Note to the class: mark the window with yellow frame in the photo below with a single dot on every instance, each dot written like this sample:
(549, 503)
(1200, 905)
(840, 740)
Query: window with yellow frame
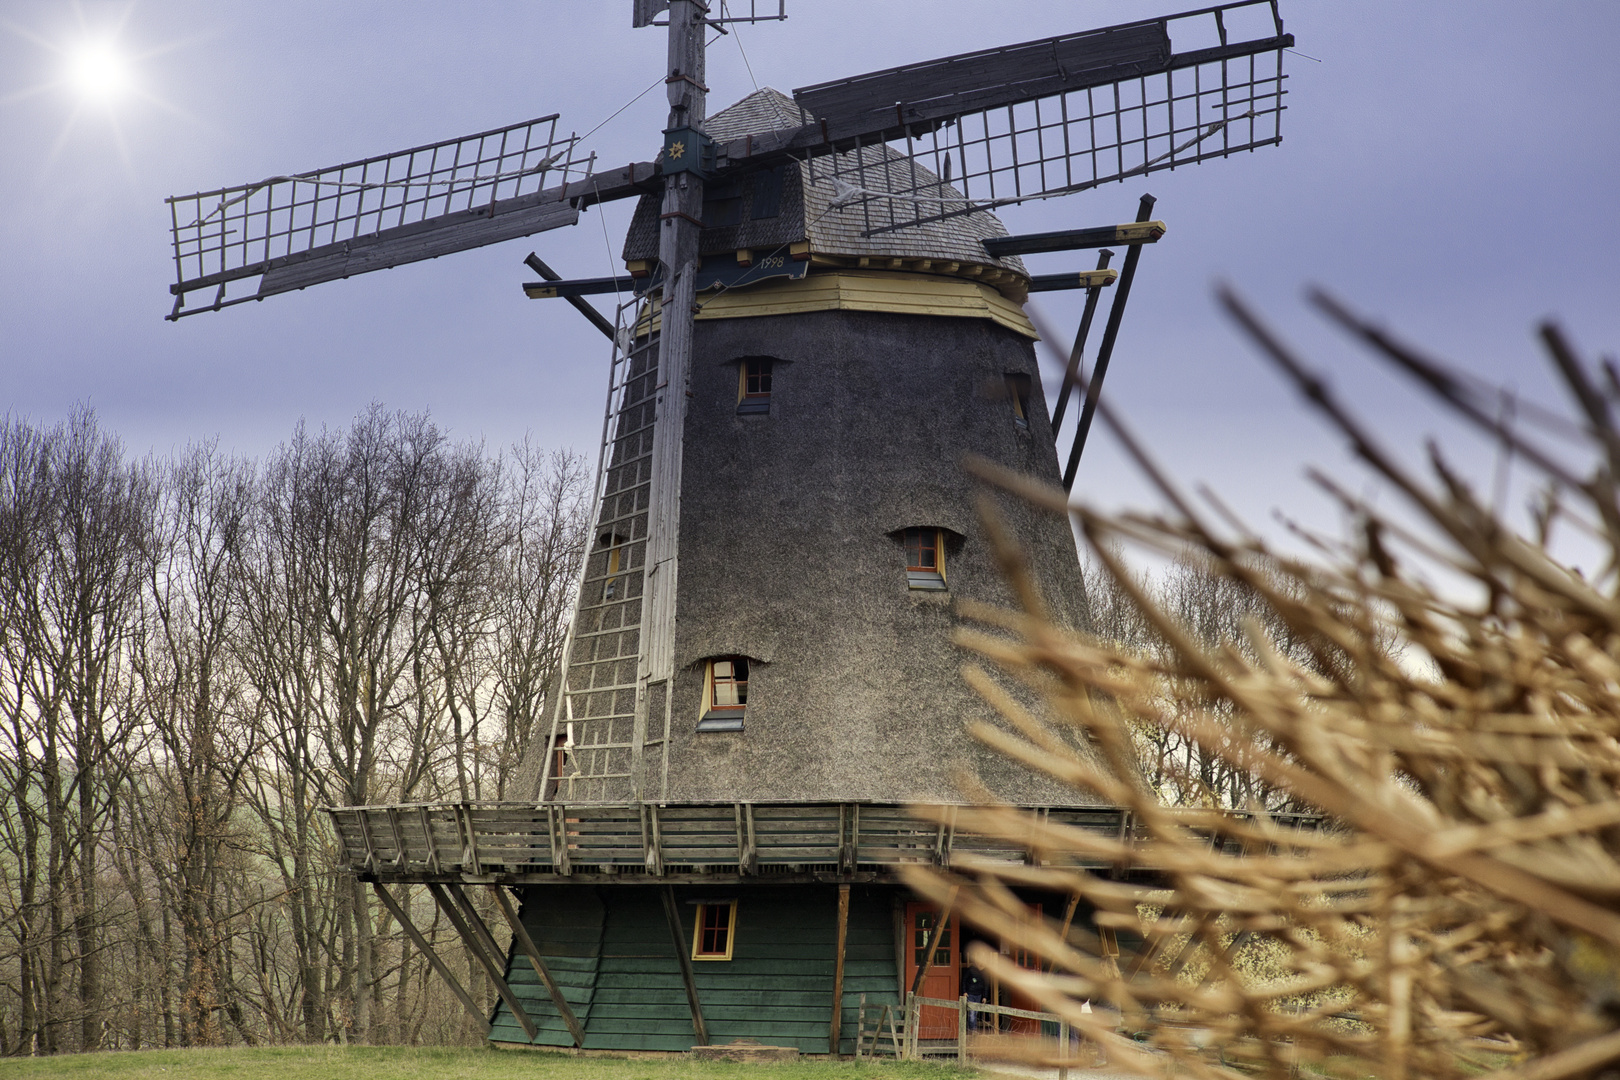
(725, 694)
(925, 558)
(1018, 388)
(613, 585)
(754, 384)
(714, 930)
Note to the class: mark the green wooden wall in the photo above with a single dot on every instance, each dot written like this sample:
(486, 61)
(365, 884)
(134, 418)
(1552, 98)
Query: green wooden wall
(610, 950)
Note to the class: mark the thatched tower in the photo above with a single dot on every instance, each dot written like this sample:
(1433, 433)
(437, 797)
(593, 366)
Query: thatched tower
(830, 409)
(826, 530)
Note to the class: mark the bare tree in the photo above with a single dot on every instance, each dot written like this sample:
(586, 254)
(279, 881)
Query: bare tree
(1218, 612)
(72, 594)
(198, 654)
(547, 529)
(194, 696)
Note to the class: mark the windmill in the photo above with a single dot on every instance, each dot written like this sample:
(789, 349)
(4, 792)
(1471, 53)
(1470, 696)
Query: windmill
(828, 312)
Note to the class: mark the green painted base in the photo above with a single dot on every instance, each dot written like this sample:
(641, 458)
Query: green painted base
(609, 949)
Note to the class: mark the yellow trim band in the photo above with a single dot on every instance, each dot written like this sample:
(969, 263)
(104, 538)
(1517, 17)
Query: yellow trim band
(863, 290)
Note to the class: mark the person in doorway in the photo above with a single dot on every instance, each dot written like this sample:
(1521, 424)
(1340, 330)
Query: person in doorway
(976, 987)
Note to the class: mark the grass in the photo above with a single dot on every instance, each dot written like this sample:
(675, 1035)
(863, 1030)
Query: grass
(439, 1063)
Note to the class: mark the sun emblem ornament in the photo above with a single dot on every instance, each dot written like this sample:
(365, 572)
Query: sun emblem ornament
(687, 150)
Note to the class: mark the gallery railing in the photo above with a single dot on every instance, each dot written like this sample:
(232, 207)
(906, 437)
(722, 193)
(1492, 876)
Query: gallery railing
(497, 841)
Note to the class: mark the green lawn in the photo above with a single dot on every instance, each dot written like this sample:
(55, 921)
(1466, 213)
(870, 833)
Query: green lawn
(417, 1063)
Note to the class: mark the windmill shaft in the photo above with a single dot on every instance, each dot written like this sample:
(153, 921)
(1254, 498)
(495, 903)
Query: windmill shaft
(678, 252)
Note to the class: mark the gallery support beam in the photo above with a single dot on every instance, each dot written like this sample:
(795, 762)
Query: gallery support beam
(834, 1029)
(475, 935)
(933, 943)
(688, 979)
(433, 959)
(520, 934)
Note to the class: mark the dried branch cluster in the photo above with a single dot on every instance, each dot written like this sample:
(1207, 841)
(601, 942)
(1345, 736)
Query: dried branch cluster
(1455, 910)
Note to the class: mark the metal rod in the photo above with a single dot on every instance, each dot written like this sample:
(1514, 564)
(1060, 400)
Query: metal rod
(1105, 352)
(596, 318)
(520, 934)
(699, 1028)
(1072, 372)
(426, 950)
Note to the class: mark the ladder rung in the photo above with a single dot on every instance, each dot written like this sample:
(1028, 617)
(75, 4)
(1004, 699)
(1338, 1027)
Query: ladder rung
(602, 689)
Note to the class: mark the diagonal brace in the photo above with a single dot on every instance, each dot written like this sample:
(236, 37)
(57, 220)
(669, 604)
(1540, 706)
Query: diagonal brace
(482, 946)
(426, 950)
(520, 934)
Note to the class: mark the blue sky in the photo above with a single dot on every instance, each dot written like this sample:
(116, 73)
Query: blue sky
(1449, 167)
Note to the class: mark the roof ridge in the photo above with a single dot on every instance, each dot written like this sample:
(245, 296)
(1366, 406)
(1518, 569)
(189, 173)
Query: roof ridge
(766, 109)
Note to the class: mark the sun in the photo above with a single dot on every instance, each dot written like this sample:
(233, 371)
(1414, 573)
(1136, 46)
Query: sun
(98, 72)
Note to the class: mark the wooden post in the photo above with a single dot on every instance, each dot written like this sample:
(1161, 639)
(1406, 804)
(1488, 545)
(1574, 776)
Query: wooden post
(911, 1025)
(426, 950)
(860, 1028)
(476, 944)
(520, 934)
(835, 1029)
(671, 913)
(961, 1030)
(1068, 920)
(1063, 1050)
(1110, 951)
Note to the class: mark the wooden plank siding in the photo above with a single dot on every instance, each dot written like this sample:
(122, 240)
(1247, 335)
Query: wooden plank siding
(622, 979)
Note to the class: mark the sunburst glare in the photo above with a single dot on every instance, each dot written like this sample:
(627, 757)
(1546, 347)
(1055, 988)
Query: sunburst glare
(99, 72)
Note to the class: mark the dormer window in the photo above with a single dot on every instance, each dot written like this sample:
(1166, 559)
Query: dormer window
(925, 558)
(754, 384)
(616, 564)
(725, 694)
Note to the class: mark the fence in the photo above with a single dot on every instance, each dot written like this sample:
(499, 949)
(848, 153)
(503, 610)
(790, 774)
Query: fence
(878, 1024)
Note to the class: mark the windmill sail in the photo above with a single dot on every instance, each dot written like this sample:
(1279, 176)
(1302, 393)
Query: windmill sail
(1041, 118)
(296, 230)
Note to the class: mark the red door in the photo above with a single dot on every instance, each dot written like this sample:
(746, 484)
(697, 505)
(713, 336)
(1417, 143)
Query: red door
(944, 975)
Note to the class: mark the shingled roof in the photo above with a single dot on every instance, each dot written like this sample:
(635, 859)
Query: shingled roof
(805, 211)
